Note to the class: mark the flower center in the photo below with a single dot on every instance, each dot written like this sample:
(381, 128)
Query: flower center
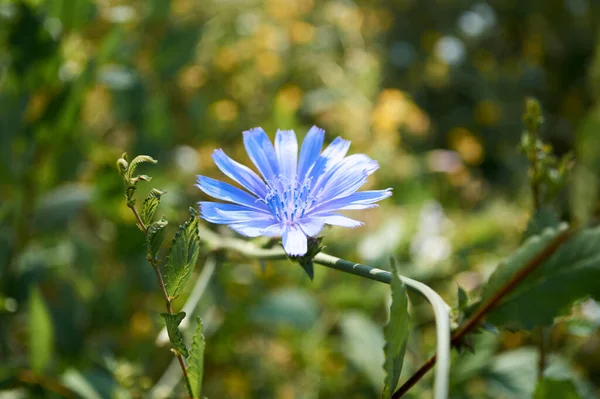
(288, 199)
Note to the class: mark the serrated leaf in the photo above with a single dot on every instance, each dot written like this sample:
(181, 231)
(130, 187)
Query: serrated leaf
(151, 205)
(570, 274)
(172, 322)
(395, 334)
(555, 389)
(183, 256)
(135, 163)
(196, 360)
(155, 237)
(41, 332)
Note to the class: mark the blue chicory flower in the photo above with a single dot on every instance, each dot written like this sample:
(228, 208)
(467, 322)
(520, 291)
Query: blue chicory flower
(297, 195)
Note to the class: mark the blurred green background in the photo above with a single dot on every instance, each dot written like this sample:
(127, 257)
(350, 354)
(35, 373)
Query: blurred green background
(432, 89)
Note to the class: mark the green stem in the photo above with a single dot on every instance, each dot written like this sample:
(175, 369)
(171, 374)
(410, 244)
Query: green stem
(163, 288)
(440, 308)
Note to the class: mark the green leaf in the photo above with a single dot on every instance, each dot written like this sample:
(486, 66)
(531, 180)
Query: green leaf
(463, 299)
(570, 274)
(41, 332)
(155, 237)
(541, 220)
(395, 334)
(196, 360)
(172, 322)
(555, 389)
(509, 267)
(151, 205)
(183, 256)
(134, 164)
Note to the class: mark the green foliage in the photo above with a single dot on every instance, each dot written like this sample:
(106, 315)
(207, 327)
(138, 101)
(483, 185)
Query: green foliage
(555, 389)
(133, 165)
(172, 322)
(542, 219)
(196, 360)
(150, 206)
(509, 267)
(571, 273)
(41, 333)
(548, 172)
(155, 237)
(183, 256)
(395, 333)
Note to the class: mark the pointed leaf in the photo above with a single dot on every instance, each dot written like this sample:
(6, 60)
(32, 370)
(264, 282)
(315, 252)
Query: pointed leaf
(41, 332)
(395, 334)
(135, 163)
(570, 274)
(172, 322)
(183, 256)
(555, 389)
(151, 206)
(155, 237)
(196, 360)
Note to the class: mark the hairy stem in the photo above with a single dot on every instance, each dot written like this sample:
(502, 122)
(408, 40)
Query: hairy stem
(486, 307)
(163, 288)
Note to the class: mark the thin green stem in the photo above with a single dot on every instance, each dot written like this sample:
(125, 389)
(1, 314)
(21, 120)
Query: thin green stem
(163, 288)
(440, 308)
(487, 306)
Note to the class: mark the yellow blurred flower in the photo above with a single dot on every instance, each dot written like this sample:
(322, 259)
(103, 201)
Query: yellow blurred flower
(225, 59)
(302, 32)
(225, 110)
(467, 145)
(192, 77)
(395, 110)
(290, 97)
(268, 64)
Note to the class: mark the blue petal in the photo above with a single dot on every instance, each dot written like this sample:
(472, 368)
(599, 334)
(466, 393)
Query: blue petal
(227, 192)
(217, 212)
(294, 241)
(355, 201)
(240, 173)
(339, 220)
(275, 230)
(261, 152)
(254, 228)
(333, 155)
(311, 147)
(346, 177)
(286, 147)
(311, 226)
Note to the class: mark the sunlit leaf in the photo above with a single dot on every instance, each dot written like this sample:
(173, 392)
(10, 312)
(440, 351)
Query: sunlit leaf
(183, 256)
(41, 332)
(196, 360)
(172, 322)
(395, 334)
(135, 163)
